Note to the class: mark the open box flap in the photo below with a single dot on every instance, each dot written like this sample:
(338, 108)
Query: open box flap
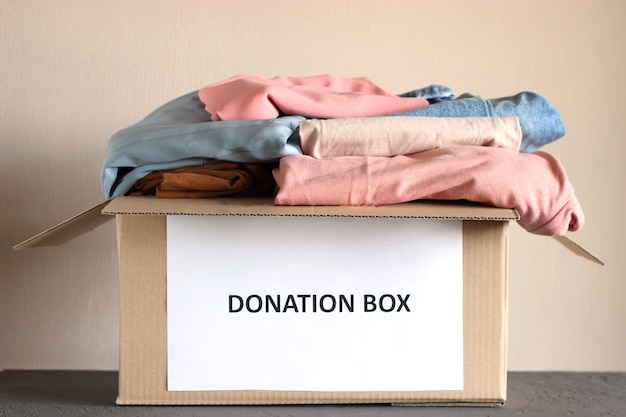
(68, 229)
(577, 249)
(264, 206)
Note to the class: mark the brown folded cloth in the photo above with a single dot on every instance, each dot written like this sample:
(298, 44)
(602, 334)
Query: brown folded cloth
(210, 180)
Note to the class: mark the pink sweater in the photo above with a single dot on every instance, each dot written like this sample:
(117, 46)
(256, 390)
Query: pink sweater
(246, 97)
(536, 185)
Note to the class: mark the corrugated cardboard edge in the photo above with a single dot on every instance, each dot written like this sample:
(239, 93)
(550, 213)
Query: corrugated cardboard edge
(265, 206)
(143, 326)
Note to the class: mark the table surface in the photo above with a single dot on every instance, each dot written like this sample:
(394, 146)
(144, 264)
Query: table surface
(93, 393)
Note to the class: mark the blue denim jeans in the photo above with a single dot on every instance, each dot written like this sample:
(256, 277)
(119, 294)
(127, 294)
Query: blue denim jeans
(433, 93)
(540, 122)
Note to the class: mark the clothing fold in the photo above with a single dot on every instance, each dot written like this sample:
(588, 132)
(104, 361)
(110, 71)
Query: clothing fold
(391, 136)
(540, 121)
(536, 184)
(211, 180)
(324, 96)
(180, 133)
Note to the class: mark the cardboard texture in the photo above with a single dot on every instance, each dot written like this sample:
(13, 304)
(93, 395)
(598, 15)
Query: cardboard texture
(265, 207)
(141, 226)
(143, 326)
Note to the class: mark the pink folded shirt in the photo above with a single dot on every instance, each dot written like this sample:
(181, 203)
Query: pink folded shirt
(400, 135)
(536, 184)
(245, 97)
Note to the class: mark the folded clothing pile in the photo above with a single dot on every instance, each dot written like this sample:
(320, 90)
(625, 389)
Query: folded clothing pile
(328, 140)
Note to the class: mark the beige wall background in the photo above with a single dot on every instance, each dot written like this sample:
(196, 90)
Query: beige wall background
(72, 72)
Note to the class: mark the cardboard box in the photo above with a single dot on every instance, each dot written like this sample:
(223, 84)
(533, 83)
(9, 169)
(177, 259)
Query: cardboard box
(142, 246)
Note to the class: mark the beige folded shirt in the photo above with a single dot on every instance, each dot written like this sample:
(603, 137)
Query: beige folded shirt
(404, 135)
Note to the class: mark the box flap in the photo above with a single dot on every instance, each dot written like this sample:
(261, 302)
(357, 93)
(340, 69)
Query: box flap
(68, 229)
(265, 207)
(577, 249)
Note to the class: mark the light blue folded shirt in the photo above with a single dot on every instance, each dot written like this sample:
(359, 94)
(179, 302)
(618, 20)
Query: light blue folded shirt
(181, 133)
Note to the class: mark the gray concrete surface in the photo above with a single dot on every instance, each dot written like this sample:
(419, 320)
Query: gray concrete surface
(87, 393)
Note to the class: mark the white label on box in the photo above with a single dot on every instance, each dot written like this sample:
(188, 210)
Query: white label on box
(314, 304)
